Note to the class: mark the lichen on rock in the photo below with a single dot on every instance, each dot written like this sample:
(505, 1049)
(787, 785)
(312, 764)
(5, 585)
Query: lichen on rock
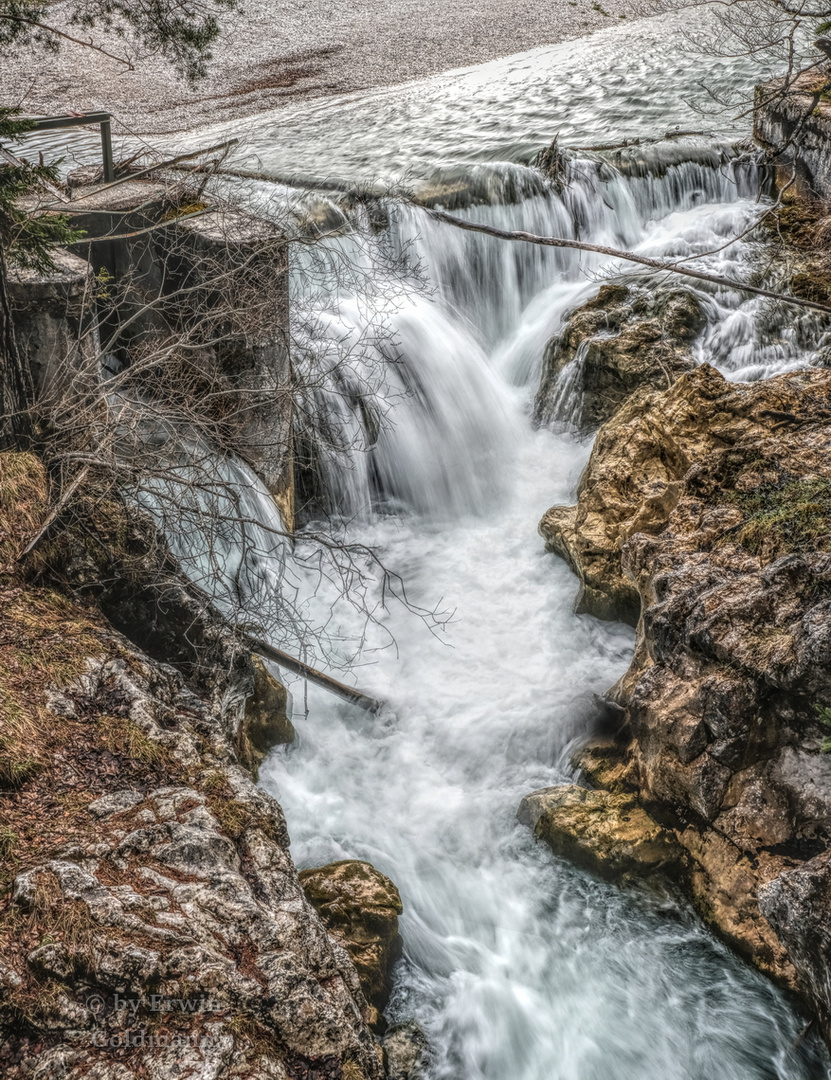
(151, 919)
(608, 834)
(406, 1052)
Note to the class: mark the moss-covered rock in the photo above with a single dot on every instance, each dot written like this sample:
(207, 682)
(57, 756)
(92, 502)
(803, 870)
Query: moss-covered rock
(711, 502)
(635, 475)
(266, 723)
(116, 775)
(359, 907)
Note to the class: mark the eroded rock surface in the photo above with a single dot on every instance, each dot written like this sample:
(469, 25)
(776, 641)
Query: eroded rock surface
(152, 923)
(609, 834)
(183, 902)
(633, 480)
(360, 907)
(265, 723)
(625, 338)
(711, 503)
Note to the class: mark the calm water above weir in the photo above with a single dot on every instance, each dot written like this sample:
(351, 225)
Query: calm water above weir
(518, 966)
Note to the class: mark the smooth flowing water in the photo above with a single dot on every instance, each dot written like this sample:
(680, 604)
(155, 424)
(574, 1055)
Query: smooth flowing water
(518, 966)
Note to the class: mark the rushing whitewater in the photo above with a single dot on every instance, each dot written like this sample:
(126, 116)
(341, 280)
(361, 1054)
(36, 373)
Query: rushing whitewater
(424, 359)
(516, 964)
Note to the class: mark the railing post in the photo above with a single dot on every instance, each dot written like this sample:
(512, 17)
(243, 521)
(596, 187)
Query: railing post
(55, 123)
(107, 151)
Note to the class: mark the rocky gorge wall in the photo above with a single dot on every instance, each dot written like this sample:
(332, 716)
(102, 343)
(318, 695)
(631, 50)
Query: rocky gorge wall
(797, 127)
(704, 517)
(151, 918)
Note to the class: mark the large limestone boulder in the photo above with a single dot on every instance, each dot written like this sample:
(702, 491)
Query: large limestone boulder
(625, 338)
(165, 899)
(359, 907)
(610, 835)
(634, 477)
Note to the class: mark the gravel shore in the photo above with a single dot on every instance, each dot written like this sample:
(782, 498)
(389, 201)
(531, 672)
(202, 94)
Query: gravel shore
(273, 51)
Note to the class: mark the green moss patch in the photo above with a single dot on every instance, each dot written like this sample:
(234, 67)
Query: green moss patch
(793, 515)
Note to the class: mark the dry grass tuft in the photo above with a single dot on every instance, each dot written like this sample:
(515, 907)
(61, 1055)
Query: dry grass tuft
(24, 501)
(54, 918)
(122, 736)
(236, 818)
(44, 641)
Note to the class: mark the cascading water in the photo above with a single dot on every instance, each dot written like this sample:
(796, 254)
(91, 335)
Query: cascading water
(518, 966)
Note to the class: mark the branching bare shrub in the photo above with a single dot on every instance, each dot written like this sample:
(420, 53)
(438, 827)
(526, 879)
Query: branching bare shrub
(193, 394)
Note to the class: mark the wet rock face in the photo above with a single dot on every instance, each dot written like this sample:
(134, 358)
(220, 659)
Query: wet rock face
(797, 905)
(711, 502)
(406, 1053)
(265, 723)
(359, 907)
(625, 338)
(635, 475)
(607, 834)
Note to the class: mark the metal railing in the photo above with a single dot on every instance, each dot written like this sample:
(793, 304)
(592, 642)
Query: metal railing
(55, 123)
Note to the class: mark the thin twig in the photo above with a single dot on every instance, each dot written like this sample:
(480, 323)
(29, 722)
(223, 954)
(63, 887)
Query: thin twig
(66, 495)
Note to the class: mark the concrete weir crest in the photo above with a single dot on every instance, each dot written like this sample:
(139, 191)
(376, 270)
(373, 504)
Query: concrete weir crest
(152, 271)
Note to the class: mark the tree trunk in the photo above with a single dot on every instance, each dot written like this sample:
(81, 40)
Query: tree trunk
(16, 387)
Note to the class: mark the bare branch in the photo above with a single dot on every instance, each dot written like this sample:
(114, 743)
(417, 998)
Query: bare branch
(629, 256)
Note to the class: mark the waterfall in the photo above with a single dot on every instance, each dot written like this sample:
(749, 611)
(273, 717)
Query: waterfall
(516, 964)
(419, 347)
(437, 320)
(567, 401)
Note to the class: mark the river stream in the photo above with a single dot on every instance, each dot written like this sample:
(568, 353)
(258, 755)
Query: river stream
(517, 965)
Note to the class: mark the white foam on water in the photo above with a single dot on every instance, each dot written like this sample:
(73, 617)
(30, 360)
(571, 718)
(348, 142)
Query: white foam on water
(517, 964)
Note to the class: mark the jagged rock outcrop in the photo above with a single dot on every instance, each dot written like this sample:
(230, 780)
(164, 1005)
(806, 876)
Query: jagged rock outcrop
(634, 476)
(625, 338)
(608, 834)
(177, 912)
(359, 907)
(722, 713)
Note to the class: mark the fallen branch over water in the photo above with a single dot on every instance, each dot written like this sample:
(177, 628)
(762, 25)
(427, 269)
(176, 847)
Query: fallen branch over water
(348, 693)
(629, 256)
